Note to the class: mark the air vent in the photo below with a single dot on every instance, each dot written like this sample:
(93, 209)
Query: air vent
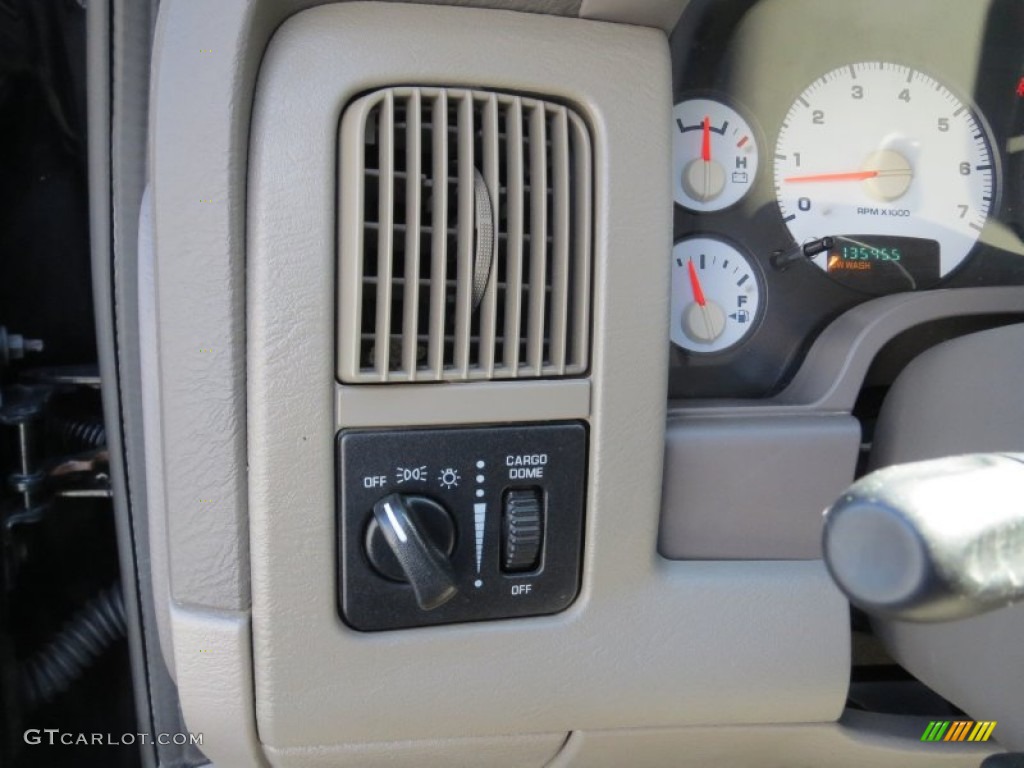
(464, 237)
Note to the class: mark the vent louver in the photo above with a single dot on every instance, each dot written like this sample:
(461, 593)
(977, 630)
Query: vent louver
(464, 237)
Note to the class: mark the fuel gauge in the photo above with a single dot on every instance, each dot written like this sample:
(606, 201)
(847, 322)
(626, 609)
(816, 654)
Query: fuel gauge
(714, 155)
(716, 295)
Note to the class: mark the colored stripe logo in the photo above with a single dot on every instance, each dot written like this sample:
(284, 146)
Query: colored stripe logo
(958, 730)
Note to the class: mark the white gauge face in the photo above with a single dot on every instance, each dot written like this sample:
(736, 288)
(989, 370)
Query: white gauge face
(715, 295)
(714, 155)
(881, 150)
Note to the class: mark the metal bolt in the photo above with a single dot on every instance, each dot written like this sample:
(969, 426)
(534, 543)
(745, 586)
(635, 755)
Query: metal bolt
(13, 346)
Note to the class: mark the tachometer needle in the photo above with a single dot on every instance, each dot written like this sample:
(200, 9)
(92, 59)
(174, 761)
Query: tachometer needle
(850, 176)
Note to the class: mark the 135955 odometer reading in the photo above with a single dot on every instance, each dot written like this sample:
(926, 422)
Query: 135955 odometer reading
(881, 149)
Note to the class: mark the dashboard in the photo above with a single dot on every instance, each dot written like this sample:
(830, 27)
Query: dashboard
(824, 155)
(415, 492)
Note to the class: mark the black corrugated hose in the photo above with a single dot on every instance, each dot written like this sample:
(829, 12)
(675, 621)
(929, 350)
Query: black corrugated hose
(90, 632)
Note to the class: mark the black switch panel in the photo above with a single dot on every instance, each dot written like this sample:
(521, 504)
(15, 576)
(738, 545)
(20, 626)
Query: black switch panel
(395, 489)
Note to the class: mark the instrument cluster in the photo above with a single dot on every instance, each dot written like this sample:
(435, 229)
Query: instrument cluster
(855, 158)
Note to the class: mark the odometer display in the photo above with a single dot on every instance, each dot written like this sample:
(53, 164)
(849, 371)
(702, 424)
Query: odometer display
(877, 265)
(886, 151)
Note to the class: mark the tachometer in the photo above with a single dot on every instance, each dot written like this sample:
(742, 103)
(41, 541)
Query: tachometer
(879, 150)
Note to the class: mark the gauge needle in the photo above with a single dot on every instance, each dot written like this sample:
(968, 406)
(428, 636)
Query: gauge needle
(851, 176)
(698, 292)
(698, 296)
(705, 155)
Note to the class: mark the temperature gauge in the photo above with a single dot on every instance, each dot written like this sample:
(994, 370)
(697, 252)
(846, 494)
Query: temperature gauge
(716, 295)
(714, 155)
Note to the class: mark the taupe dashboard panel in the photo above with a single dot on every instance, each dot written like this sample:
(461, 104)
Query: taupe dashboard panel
(730, 493)
(648, 642)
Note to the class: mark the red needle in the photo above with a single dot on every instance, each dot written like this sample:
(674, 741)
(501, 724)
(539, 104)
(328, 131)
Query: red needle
(705, 147)
(698, 292)
(852, 176)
